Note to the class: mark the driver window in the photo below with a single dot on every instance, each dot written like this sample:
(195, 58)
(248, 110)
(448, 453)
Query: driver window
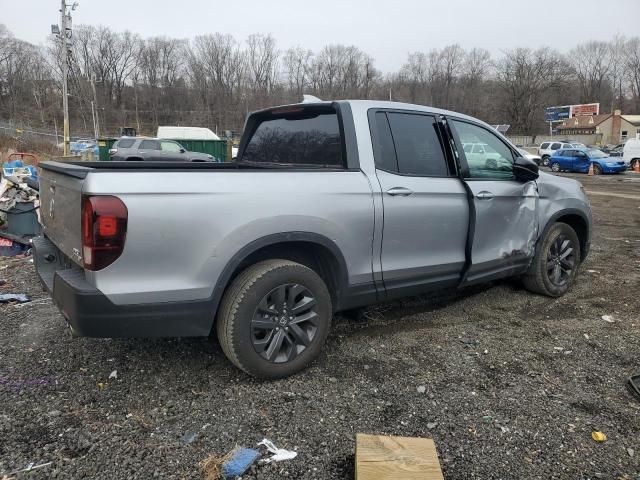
(491, 157)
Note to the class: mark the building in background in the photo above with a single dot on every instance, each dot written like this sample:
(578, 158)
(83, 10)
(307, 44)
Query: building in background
(606, 129)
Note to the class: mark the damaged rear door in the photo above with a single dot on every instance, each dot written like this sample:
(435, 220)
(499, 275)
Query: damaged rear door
(505, 222)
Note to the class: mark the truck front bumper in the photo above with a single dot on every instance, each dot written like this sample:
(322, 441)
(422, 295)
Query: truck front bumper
(90, 313)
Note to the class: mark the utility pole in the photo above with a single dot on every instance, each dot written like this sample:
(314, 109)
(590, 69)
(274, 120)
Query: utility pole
(64, 33)
(96, 126)
(65, 74)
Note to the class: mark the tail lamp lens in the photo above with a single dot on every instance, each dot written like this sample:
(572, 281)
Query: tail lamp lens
(104, 229)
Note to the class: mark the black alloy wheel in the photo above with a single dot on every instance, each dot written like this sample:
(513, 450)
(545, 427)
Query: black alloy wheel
(561, 261)
(285, 323)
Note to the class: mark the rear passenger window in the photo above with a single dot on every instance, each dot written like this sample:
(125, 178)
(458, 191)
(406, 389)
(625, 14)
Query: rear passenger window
(555, 146)
(544, 145)
(566, 145)
(149, 145)
(384, 151)
(417, 145)
(125, 143)
(306, 138)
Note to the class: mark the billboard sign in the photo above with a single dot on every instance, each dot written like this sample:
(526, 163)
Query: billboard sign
(557, 114)
(585, 109)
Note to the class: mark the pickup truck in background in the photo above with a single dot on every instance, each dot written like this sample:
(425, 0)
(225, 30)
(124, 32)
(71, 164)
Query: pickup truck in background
(330, 206)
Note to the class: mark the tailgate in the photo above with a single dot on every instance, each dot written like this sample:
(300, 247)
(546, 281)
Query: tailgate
(60, 209)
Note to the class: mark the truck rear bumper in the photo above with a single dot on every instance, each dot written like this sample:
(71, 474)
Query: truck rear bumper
(90, 313)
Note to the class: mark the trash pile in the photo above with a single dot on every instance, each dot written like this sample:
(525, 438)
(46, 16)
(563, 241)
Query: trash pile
(19, 212)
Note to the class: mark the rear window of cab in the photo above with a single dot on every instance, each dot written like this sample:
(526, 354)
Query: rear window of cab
(297, 136)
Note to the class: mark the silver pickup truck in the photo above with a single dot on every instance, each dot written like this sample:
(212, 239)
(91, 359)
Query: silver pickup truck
(330, 206)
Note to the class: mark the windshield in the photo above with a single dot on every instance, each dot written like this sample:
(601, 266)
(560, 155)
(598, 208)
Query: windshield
(523, 152)
(595, 153)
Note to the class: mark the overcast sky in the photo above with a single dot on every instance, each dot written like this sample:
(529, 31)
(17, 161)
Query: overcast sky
(387, 30)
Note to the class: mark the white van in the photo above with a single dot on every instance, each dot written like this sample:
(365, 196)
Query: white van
(631, 152)
(186, 133)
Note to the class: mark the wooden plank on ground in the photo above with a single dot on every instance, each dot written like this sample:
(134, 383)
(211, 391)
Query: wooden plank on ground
(380, 457)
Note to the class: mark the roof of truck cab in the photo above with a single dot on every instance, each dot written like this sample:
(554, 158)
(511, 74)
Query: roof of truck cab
(369, 104)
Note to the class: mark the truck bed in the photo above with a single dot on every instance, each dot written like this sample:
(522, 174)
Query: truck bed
(81, 169)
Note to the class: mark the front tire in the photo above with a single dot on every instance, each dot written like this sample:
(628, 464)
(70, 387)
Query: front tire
(597, 169)
(274, 318)
(555, 167)
(555, 264)
(545, 160)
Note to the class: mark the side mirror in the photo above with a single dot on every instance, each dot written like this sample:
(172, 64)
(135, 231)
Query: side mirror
(524, 169)
(182, 150)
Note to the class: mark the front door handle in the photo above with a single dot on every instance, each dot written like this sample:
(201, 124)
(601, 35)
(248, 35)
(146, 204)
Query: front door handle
(399, 191)
(485, 195)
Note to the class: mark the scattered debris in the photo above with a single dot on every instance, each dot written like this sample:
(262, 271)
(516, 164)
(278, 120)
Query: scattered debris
(14, 297)
(232, 465)
(421, 389)
(188, 438)
(113, 374)
(593, 271)
(2, 282)
(599, 437)
(586, 336)
(608, 318)
(634, 384)
(487, 418)
(631, 451)
(279, 454)
(30, 467)
(432, 425)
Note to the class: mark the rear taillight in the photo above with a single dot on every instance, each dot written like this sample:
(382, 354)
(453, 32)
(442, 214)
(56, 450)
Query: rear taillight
(104, 229)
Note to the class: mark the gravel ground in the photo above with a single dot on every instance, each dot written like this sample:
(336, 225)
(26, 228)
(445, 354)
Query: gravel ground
(514, 384)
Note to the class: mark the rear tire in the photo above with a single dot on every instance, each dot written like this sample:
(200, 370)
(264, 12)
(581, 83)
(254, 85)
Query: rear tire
(545, 160)
(555, 167)
(633, 163)
(555, 264)
(274, 318)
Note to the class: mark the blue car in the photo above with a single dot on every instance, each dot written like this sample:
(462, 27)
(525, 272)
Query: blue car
(579, 160)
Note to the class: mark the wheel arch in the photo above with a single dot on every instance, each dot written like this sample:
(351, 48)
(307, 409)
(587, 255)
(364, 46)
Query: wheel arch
(313, 250)
(577, 220)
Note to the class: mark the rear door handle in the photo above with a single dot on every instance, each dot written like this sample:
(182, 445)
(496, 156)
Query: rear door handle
(399, 192)
(485, 195)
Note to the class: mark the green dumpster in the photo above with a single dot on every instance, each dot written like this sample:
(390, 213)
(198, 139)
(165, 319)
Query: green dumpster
(104, 144)
(216, 148)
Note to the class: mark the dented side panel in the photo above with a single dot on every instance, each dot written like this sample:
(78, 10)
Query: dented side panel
(506, 226)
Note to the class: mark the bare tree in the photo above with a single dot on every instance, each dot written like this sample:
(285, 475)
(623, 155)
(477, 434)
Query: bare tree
(297, 69)
(452, 58)
(526, 77)
(592, 64)
(633, 69)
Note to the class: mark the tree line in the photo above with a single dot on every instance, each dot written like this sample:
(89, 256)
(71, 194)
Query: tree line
(213, 80)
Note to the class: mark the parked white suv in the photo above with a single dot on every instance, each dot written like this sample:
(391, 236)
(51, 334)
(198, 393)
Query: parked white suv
(547, 149)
